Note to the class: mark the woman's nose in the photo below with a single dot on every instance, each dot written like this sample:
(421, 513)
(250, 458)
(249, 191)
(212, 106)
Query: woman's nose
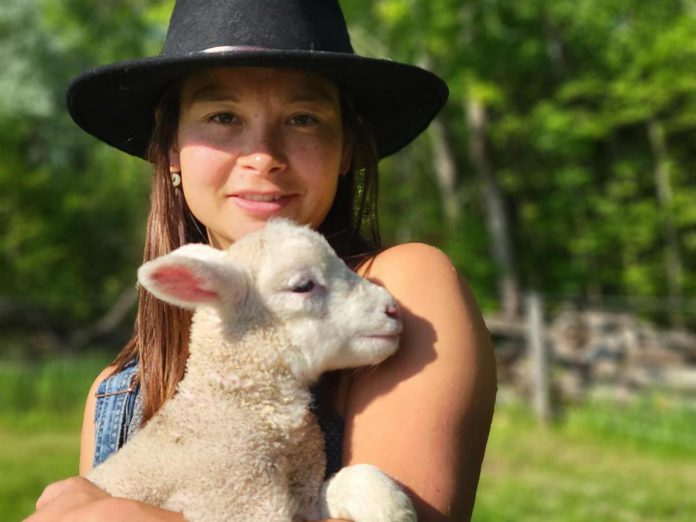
(263, 154)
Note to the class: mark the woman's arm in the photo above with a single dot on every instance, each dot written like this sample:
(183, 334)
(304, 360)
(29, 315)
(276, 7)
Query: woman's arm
(87, 437)
(423, 416)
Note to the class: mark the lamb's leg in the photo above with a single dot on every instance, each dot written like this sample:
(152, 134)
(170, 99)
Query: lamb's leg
(363, 493)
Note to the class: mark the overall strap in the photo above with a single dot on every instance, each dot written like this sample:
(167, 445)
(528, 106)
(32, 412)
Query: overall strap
(113, 411)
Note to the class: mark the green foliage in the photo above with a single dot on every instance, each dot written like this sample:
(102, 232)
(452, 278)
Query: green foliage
(570, 89)
(58, 386)
(72, 211)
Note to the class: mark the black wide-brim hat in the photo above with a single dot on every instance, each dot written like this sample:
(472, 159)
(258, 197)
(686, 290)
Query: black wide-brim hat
(116, 103)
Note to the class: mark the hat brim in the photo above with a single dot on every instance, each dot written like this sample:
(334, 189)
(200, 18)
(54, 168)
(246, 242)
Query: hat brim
(115, 103)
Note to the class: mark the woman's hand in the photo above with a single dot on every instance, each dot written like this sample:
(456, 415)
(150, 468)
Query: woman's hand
(78, 500)
(73, 496)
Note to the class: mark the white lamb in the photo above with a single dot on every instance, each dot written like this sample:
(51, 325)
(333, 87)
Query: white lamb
(237, 442)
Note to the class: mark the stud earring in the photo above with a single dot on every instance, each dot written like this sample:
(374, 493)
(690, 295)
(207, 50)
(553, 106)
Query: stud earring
(176, 178)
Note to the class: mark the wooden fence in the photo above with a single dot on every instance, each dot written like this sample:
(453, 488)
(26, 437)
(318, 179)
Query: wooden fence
(555, 355)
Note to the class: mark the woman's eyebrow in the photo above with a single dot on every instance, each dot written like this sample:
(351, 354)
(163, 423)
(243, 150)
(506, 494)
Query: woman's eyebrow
(313, 95)
(213, 93)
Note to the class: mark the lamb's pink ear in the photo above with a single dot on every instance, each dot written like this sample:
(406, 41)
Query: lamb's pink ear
(193, 275)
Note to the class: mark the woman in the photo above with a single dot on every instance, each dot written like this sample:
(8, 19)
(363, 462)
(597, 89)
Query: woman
(260, 108)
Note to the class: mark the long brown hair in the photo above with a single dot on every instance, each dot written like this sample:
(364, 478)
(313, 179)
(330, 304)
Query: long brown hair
(160, 336)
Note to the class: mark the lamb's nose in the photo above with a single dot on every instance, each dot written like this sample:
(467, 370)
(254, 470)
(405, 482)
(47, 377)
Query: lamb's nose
(392, 311)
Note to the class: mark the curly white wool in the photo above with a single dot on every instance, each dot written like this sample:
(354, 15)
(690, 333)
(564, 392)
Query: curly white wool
(237, 442)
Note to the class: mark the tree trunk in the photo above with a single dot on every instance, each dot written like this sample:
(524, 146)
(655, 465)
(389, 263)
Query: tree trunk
(444, 164)
(445, 172)
(107, 323)
(496, 215)
(663, 189)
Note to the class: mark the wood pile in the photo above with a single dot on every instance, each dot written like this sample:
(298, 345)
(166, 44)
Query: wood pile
(593, 350)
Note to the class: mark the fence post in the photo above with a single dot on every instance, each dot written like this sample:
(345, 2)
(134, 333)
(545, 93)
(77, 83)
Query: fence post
(539, 358)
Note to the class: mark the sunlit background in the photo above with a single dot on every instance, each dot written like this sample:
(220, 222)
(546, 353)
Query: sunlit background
(560, 178)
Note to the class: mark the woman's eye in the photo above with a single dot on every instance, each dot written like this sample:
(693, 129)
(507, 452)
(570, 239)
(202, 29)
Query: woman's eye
(224, 118)
(304, 287)
(303, 119)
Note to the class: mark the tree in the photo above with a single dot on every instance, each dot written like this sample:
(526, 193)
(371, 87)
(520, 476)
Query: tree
(71, 210)
(578, 119)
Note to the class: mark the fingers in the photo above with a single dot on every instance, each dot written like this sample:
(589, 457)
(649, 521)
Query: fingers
(51, 491)
(57, 509)
(65, 496)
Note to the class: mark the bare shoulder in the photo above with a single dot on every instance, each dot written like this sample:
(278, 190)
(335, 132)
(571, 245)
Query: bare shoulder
(87, 438)
(407, 254)
(400, 263)
(423, 278)
(441, 384)
(441, 317)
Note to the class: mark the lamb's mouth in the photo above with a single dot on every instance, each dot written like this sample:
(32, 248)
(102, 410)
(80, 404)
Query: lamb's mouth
(381, 339)
(386, 337)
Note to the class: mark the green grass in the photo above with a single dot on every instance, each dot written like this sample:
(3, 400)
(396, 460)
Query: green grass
(41, 410)
(656, 422)
(57, 385)
(589, 468)
(30, 460)
(603, 463)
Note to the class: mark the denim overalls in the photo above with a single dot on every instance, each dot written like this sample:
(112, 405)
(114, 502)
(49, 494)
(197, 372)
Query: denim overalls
(118, 414)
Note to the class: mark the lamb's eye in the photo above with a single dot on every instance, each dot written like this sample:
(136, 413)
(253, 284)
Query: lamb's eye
(304, 287)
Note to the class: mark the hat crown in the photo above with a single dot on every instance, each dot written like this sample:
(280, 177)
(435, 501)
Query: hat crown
(309, 25)
(117, 102)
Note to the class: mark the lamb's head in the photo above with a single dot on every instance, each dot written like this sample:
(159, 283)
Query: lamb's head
(289, 275)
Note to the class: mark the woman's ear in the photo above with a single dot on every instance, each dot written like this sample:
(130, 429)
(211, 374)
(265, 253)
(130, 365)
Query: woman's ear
(174, 159)
(346, 153)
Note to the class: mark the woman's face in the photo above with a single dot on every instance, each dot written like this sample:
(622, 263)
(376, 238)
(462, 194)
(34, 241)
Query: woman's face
(255, 143)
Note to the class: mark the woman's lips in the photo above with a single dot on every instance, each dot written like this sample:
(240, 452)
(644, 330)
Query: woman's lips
(261, 204)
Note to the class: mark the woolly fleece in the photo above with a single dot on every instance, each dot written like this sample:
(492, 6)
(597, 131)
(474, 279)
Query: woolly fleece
(237, 442)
